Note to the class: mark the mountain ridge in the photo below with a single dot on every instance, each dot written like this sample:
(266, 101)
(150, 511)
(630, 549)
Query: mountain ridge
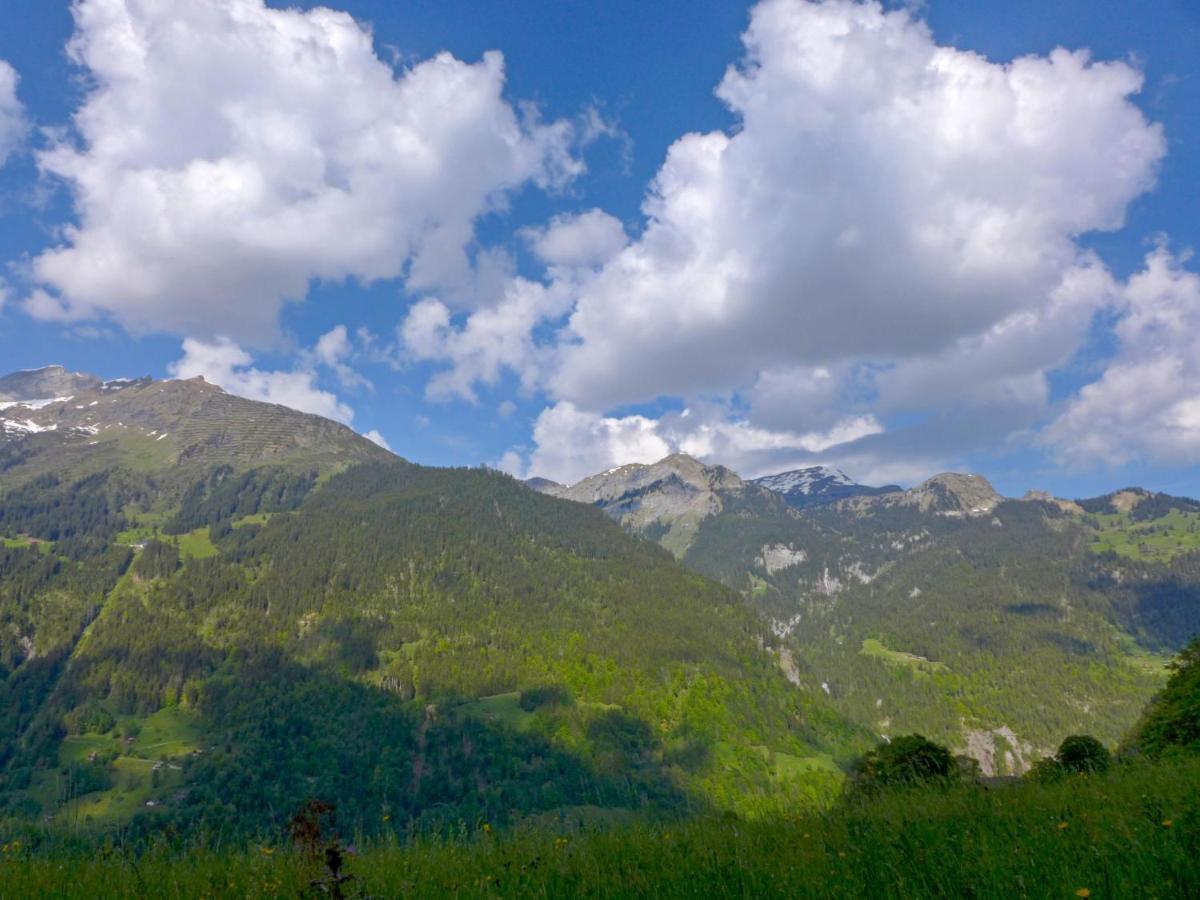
(816, 485)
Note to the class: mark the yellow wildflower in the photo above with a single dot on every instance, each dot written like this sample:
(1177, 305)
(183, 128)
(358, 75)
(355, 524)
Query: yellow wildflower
(1062, 826)
(1083, 892)
(1167, 823)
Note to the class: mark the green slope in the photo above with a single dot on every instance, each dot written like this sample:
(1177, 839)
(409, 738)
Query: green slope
(415, 645)
(998, 627)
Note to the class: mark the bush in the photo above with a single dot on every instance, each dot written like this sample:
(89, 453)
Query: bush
(549, 695)
(909, 760)
(1046, 771)
(1083, 753)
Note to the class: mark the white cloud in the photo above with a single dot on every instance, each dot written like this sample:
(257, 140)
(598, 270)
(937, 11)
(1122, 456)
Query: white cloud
(374, 436)
(332, 350)
(13, 125)
(883, 199)
(889, 232)
(572, 443)
(490, 340)
(225, 364)
(229, 153)
(1146, 405)
(587, 239)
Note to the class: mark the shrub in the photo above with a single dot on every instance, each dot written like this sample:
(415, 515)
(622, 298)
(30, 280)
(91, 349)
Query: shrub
(908, 760)
(1083, 753)
(1046, 771)
(548, 695)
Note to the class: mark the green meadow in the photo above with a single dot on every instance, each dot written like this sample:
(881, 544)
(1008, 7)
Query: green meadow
(1132, 832)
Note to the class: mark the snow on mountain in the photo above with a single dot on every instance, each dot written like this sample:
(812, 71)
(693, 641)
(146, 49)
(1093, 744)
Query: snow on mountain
(805, 481)
(816, 485)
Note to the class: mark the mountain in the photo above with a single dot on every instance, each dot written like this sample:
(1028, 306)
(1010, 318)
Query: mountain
(545, 485)
(213, 610)
(946, 608)
(38, 385)
(166, 426)
(817, 485)
(666, 501)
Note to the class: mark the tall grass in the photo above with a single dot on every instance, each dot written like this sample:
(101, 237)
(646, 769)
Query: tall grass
(1134, 832)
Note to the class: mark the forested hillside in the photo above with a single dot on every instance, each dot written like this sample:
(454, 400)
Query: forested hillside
(417, 646)
(997, 626)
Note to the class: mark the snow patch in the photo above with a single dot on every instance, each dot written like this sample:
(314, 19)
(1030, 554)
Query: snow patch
(805, 481)
(34, 404)
(16, 426)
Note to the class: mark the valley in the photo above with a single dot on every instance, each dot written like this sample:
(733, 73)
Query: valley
(213, 610)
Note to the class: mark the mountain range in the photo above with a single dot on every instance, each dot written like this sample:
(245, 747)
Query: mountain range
(214, 609)
(946, 608)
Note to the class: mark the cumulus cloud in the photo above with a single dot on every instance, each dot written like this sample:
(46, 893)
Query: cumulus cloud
(229, 153)
(572, 443)
(882, 199)
(13, 126)
(487, 343)
(333, 350)
(586, 239)
(225, 364)
(889, 233)
(1146, 405)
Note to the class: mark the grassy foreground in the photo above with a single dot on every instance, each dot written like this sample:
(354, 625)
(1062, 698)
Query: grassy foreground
(1134, 832)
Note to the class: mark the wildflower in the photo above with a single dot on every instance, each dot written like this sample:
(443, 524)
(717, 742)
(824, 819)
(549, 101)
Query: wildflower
(387, 817)
(267, 851)
(1083, 892)
(1167, 823)
(1063, 826)
(487, 828)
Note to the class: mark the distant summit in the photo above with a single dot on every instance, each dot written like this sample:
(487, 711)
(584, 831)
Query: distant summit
(818, 485)
(542, 485)
(85, 423)
(950, 494)
(47, 383)
(665, 501)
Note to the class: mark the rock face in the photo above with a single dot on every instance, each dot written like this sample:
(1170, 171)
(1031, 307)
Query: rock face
(1067, 506)
(950, 494)
(818, 485)
(666, 500)
(45, 384)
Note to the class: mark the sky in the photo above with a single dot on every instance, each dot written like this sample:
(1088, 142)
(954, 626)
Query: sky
(556, 237)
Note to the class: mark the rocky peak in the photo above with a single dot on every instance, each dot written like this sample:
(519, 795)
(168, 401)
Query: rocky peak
(1067, 506)
(818, 485)
(46, 383)
(543, 485)
(669, 498)
(953, 493)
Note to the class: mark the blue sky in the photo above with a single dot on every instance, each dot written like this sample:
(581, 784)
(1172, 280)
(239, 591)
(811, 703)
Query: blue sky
(899, 240)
